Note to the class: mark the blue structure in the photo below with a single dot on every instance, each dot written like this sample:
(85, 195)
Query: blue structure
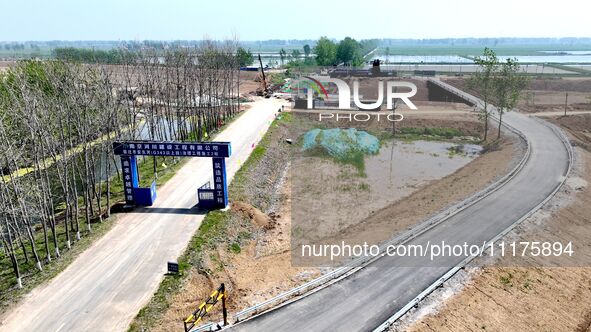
(209, 198)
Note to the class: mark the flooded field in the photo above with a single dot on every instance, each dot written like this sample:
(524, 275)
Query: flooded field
(329, 196)
(401, 167)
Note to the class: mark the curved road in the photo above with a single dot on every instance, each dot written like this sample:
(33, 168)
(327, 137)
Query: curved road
(366, 299)
(105, 287)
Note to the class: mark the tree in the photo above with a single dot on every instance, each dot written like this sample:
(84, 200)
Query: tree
(326, 52)
(245, 58)
(282, 55)
(349, 51)
(307, 50)
(295, 54)
(482, 82)
(508, 85)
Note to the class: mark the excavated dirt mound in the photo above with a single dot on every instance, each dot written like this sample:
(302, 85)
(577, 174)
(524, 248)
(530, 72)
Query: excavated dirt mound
(255, 215)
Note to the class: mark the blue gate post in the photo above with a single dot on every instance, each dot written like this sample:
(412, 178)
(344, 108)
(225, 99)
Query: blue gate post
(130, 178)
(220, 184)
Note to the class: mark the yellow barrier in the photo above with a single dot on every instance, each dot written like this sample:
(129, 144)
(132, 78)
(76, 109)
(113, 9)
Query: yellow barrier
(205, 307)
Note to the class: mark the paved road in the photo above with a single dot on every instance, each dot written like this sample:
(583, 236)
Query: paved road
(369, 297)
(105, 287)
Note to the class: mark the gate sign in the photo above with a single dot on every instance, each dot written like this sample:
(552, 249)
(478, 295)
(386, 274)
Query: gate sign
(178, 149)
(134, 195)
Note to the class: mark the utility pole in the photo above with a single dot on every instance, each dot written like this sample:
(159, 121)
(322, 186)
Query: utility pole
(565, 103)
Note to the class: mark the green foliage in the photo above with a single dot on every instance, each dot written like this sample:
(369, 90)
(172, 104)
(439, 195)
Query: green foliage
(304, 63)
(354, 158)
(482, 80)
(307, 50)
(277, 78)
(326, 52)
(245, 58)
(235, 247)
(508, 85)
(349, 52)
(368, 45)
(447, 133)
(506, 279)
(498, 82)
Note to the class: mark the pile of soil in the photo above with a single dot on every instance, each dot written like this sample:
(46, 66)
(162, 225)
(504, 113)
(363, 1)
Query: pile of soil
(255, 215)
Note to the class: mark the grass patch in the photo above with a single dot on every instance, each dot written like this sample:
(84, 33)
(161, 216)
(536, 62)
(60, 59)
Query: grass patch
(456, 150)
(354, 158)
(410, 134)
(235, 248)
(506, 279)
(241, 178)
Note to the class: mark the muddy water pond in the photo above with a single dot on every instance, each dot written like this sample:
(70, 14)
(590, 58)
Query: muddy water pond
(399, 168)
(328, 196)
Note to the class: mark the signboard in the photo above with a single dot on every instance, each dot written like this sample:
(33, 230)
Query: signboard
(130, 178)
(178, 149)
(173, 267)
(212, 198)
(220, 193)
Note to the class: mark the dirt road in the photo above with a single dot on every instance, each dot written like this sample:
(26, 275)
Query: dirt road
(105, 287)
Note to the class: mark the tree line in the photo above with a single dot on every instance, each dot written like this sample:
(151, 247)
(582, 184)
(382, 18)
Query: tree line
(348, 52)
(58, 119)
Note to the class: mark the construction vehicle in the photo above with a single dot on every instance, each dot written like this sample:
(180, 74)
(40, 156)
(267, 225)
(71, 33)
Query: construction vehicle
(264, 90)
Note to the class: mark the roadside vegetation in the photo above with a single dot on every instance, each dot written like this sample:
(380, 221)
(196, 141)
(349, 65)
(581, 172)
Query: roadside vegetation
(222, 230)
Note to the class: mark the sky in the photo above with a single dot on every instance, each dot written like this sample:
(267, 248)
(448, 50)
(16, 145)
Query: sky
(22, 20)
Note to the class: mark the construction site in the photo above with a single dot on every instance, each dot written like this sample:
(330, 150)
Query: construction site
(282, 183)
